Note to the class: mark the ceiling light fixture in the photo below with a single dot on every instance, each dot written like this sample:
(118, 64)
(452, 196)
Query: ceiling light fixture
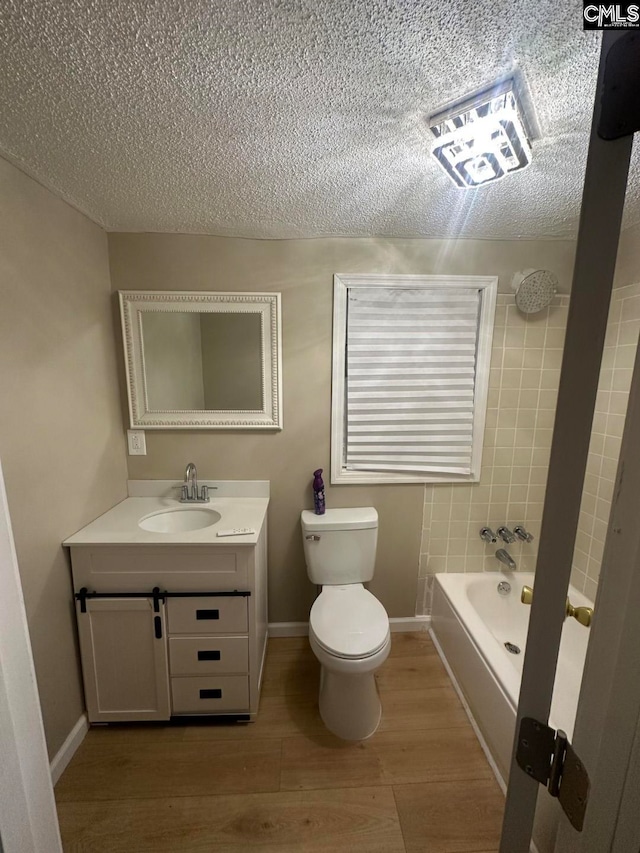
(484, 137)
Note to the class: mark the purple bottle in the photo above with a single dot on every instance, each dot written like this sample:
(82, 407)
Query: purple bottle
(318, 493)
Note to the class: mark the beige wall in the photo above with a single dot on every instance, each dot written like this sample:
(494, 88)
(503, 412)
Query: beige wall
(621, 341)
(302, 270)
(61, 438)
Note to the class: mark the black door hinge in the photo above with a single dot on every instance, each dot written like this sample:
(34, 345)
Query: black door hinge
(548, 757)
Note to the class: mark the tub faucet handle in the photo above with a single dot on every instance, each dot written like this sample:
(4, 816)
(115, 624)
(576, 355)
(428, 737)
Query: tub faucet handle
(506, 535)
(522, 534)
(487, 534)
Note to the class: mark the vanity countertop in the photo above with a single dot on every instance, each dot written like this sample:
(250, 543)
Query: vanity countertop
(119, 525)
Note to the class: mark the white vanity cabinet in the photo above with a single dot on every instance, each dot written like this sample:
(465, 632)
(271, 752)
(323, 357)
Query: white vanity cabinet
(195, 646)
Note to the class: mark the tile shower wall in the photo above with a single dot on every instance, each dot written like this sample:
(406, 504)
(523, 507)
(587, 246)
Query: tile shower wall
(523, 387)
(611, 405)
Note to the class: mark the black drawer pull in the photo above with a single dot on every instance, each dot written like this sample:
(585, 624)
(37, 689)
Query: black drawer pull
(157, 624)
(215, 655)
(211, 694)
(207, 614)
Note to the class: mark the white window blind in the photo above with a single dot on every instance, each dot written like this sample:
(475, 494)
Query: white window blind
(410, 379)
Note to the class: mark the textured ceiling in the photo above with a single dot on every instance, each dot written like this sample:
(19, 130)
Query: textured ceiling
(291, 118)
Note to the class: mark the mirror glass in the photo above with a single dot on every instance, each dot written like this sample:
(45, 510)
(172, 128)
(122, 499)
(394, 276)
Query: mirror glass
(202, 360)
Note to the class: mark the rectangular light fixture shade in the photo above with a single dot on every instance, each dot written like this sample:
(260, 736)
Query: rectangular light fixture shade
(484, 138)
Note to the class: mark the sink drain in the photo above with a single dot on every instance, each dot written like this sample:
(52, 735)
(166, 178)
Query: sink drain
(512, 648)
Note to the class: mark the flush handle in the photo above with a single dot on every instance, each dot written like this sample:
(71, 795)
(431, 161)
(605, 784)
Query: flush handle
(312, 538)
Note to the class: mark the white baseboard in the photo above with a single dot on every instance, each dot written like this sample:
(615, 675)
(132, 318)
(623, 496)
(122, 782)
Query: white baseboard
(66, 752)
(301, 629)
(409, 623)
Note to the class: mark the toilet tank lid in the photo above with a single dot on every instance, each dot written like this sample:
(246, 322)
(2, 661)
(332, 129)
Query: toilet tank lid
(348, 518)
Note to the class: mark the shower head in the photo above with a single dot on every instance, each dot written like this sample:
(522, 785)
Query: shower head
(534, 290)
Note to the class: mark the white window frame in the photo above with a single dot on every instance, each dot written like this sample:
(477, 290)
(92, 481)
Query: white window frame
(342, 283)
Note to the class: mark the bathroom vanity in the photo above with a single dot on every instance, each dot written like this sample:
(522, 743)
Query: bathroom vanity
(172, 618)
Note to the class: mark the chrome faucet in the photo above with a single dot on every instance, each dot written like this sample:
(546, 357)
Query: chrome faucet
(506, 535)
(522, 534)
(507, 559)
(191, 481)
(487, 534)
(189, 489)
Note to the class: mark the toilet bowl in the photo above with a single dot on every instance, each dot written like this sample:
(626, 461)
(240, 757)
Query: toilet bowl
(348, 626)
(349, 634)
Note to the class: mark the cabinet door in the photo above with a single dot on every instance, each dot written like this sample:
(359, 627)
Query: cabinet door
(124, 659)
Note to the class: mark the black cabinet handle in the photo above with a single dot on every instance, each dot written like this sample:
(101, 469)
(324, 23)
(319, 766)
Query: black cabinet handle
(157, 624)
(211, 694)
(209, 655)
(207, 614)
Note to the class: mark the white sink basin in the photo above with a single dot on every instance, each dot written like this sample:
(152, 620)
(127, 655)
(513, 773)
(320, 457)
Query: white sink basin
(179, 520)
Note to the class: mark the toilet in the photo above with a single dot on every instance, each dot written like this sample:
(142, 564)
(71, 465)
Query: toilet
(348, 626)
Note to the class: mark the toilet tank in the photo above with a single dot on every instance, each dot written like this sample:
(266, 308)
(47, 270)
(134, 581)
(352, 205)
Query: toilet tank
(340, 546)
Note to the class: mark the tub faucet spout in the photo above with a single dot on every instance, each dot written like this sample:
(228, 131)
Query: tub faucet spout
(506, 558)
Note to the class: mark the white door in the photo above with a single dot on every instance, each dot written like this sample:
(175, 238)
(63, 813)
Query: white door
(123, 647)
(28, 821)
(607, 732)
(607, 723)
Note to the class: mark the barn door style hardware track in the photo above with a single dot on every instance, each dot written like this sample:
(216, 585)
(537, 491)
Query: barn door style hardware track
(157, 595)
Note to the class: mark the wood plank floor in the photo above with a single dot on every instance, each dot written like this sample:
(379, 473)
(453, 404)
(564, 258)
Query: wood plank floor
(283, 784)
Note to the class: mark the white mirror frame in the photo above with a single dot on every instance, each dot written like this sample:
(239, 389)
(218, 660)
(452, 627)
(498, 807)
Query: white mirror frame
(133, 304)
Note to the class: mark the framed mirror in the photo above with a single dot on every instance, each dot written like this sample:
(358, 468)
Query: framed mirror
(202, 360)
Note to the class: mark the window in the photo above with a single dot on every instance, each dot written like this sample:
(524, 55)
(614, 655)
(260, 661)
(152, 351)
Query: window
(410, 377)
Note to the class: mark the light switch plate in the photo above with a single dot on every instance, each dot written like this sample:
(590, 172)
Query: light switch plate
(137, 443)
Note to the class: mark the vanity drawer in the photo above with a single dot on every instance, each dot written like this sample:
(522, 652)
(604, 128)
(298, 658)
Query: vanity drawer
(208, 655)
(225, 693)
(208, 615)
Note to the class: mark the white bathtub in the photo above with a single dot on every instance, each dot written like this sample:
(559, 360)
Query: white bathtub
(470, 624)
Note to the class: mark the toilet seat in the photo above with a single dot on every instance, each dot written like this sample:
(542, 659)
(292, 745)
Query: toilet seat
(349, 622)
